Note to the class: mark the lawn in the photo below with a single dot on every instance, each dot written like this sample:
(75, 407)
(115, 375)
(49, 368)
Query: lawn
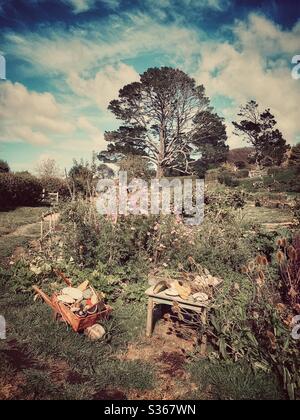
(266, 215)
(11, 220)
(17, 227)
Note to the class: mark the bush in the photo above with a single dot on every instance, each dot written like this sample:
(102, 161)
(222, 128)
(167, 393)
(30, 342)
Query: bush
(19, 190)
(228, 179)
(284, 179)
(242, 173)
(54, 185)
(4, 167)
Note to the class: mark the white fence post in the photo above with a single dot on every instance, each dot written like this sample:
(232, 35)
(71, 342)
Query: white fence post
(2, 328)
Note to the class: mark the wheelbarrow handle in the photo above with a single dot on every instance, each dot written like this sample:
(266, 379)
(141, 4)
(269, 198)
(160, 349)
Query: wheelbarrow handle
(65, 278)
(43, 295)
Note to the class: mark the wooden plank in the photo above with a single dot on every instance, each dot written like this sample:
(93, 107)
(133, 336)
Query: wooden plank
(163, 296)
(194, 308)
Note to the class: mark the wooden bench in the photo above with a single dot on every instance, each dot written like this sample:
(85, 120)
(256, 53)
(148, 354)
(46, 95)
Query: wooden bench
(162, 298)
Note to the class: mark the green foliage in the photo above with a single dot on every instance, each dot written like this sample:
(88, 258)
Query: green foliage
(296, 210)
(19, 190)
(258, 128)
(136, 167)
(24, 274)
(242, 173)
(4, 167)
(277, 180)
(284, 179)
(228, 179)
(146, 123)
(294, 158)
(54, 185)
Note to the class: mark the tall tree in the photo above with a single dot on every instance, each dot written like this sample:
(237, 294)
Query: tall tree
(258, 128)
(294, 158)
(48, 168)
(163, 117)
(209, 141)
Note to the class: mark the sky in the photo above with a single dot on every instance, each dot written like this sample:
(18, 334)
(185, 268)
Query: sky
(67, 59)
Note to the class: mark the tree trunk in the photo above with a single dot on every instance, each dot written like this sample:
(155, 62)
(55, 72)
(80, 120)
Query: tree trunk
(160, 169)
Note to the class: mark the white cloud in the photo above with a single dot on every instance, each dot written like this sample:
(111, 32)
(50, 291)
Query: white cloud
(95, 45)
(29, 116)
(96, 137)
(250, 69)
(80, 6)
(106, 84)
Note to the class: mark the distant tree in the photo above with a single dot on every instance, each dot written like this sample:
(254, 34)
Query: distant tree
(4, 167)
(259, 130)
(136, 167)
(48, 168)
(164, 116)
(104, 171)
(81, 176)
(294, 158)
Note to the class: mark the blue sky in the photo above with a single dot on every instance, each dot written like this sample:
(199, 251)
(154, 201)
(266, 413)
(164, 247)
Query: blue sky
(66, 59)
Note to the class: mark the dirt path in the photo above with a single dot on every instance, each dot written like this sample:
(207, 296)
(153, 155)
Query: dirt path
(168, 354)
(23, 231)
(26, 230)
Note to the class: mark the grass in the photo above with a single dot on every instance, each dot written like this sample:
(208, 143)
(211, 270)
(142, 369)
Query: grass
(11, 220)
(266, 215)
(234, 381)
(14, 219)
(8, 245)
(56, 352)
(49, 344)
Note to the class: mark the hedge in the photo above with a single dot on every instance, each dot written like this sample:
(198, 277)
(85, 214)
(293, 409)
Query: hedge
(54, 185)
(19, 190)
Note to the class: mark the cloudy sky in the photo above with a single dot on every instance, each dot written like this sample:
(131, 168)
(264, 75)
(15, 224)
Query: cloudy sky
(66, 59)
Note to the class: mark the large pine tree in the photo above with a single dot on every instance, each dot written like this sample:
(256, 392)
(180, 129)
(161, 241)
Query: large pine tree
(167, 119)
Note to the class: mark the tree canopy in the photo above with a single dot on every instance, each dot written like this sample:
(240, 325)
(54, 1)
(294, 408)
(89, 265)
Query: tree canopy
(259, 129)
(294, 158)
(167, 119)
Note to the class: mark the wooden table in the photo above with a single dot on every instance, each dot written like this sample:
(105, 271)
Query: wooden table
(162, 298)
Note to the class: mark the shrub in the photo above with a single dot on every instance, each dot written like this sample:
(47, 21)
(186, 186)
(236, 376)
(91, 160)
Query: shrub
(54, 185)
(242, 173)
(4, 167)
(228, 179)
(296, 210)
(19, 190)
